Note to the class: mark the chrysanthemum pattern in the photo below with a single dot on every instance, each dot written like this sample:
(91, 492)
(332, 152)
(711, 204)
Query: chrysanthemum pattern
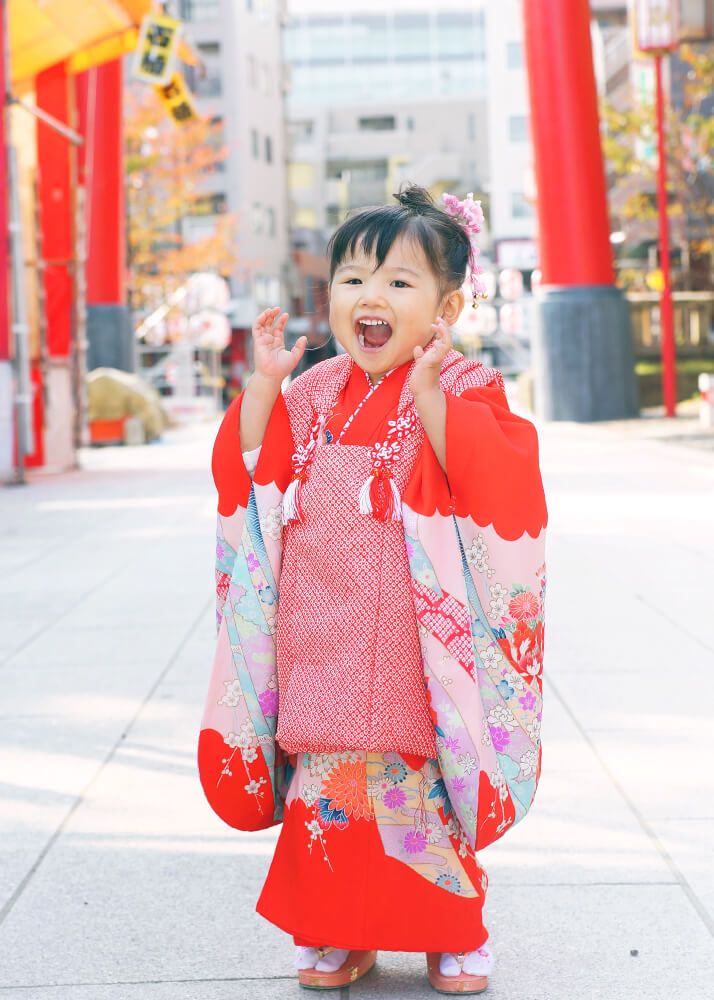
(411, 808)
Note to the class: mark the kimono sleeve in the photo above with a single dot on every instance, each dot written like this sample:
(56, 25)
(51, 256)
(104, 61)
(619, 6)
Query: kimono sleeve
(500, 512)
(478, 571)
(243, 771)
(492, 462)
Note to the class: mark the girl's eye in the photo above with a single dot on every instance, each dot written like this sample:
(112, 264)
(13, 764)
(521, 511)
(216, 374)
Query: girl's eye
(397, 281)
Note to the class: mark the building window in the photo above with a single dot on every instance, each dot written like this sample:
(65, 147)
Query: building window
(518, 128)
(255, 141)
(410, 124)
(208, 81)
(411, 36)
(378, 123)
(209, 204)
(196, 228)
(455, 35)
(200, 10)
(520, 208)
(301, 176)
(252, 68)
(369, 38)
(216, 139)
(270, 217)
(300, 131)
(514, 55)
(266, 78)
(268, 149)
(256, 218)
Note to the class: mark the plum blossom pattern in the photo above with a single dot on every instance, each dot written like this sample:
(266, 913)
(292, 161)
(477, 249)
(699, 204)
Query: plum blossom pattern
(477, 556)
(499, 607)
(498, 747)
(271, 523)
(232, 695)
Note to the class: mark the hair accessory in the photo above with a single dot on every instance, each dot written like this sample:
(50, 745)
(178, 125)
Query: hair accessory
(470, 215)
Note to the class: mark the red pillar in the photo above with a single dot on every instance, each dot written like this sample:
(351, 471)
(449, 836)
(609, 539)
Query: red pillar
(7, 390)
(99, 100)
(55, 195)
(669, 359)
(54, 90)
(4, 257)
(572, 197)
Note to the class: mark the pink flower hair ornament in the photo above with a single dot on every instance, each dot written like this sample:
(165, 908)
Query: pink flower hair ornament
(470, 215)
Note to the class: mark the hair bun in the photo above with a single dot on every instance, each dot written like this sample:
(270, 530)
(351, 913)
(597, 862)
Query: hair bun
(414, 197)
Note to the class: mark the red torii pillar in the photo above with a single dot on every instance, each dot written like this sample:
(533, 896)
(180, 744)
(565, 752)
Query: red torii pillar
(7, 424)
(54, 91)
(100, 105)
(582, 348)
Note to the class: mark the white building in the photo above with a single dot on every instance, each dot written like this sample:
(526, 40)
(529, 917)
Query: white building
(239, 43)
(379, 93)
(329, 107)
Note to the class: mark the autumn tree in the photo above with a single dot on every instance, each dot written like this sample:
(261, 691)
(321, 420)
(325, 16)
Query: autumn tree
(629, 144)
(167, 167)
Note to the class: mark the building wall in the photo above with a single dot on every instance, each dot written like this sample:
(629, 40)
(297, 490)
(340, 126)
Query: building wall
(240, 44)
(510, 160)
(422, 92)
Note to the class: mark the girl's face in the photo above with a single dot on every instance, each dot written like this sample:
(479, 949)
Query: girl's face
(403, 294)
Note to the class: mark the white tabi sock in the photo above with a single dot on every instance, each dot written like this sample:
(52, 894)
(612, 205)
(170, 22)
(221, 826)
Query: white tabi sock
(476, 963)
(307, 958)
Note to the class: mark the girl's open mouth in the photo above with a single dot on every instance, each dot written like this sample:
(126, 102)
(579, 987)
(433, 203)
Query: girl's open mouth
(372, 334)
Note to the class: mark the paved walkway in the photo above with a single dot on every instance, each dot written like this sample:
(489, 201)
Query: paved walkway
(118, 883)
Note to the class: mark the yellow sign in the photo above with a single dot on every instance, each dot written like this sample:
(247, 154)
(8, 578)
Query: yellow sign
(176, 98)
(156, 52)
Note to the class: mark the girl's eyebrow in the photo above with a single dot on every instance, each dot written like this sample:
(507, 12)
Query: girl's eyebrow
(362, 267)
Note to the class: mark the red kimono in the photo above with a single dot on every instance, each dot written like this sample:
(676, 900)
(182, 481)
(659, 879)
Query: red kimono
(376, 684)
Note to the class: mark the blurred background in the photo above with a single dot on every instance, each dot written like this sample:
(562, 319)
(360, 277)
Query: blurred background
(167, 172)
(173, 169)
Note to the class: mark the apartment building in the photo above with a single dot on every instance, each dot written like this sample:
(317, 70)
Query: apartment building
(241, 85)
(431, 93)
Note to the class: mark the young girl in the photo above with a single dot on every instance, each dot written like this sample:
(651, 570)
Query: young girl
(380, 581)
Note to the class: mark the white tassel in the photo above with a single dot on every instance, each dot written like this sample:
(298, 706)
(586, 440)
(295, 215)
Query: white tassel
(290, 506)
(397, 516)
(365, 500)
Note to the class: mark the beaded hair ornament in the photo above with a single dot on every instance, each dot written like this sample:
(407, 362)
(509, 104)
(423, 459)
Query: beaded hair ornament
(470, 215)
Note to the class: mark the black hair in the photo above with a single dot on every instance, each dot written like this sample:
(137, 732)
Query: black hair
(444, 240)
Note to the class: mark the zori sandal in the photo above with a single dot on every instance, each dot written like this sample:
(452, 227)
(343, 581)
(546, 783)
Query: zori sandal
(356, 965)
(464, 983)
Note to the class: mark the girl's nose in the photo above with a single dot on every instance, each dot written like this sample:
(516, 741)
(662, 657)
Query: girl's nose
(371, 295)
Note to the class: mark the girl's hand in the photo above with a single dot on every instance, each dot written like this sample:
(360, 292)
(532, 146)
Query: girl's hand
(270, 358)
(426, 371)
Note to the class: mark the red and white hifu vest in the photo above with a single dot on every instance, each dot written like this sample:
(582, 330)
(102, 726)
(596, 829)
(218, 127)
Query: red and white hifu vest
(350, 673)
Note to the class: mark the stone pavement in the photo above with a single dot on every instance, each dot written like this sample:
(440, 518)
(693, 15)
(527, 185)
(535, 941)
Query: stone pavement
(118, 883)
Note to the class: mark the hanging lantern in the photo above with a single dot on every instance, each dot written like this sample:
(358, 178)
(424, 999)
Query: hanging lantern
(656, 24)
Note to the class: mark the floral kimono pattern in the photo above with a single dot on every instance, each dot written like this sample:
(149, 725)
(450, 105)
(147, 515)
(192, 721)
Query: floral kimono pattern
(475, 544)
